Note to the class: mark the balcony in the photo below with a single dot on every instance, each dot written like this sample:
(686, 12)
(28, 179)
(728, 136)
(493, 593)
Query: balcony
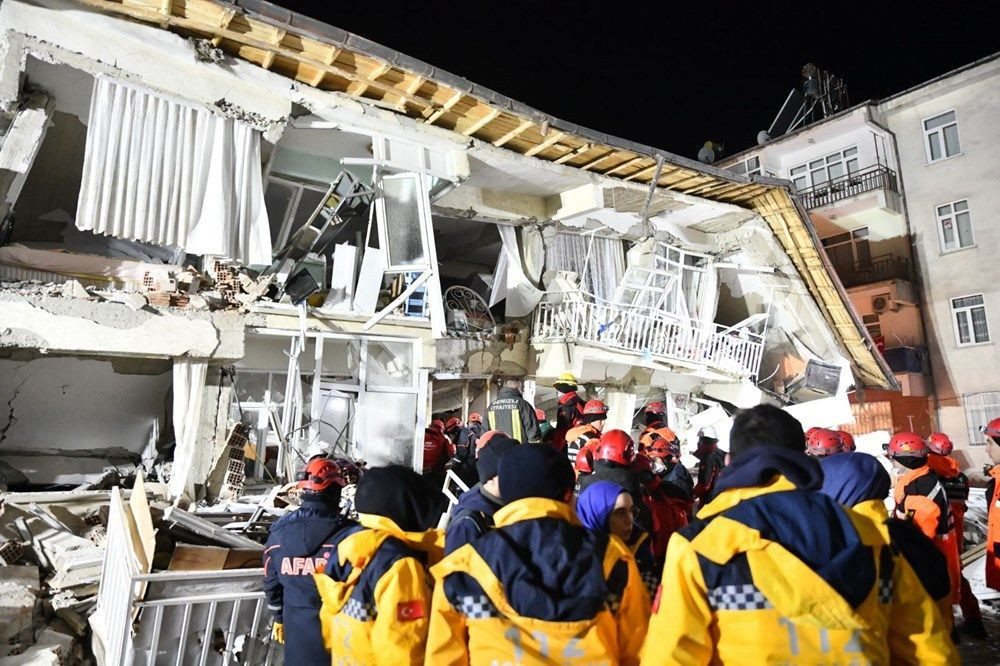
(848, 186)
(642, 331)
(879, 269)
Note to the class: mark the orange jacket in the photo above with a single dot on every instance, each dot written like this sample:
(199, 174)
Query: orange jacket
(921, 498)
(993, 532)
(946, 468)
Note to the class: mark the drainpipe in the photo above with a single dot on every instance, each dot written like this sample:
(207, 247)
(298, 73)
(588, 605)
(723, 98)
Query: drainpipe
(917, 276)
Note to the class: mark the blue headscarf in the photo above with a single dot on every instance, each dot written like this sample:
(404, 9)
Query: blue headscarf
(852, 478)
(595, 504)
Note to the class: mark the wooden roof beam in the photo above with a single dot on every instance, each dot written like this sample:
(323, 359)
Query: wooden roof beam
(279, 35)
(574, 153)
(444, 108)
(227, 15)
(514, 133)
(545, 145)
(321, 73)
(641, 172)
(587, 166)
(489, 117)
(623, 165)
(358, 88)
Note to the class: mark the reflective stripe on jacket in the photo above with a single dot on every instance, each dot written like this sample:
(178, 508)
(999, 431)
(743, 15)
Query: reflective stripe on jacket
(539, 589)
(512, 414)
(921, 498)
(773, 575)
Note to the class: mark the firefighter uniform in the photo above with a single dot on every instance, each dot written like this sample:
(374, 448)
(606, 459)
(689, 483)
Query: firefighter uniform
(993, 529)
(376, 594)
(497, 602)
(772, 572)
(512, 414)
(299, 543)
(567, 417)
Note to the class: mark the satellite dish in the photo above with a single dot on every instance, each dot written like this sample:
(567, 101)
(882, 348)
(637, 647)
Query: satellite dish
(706, 154)
(763, 137)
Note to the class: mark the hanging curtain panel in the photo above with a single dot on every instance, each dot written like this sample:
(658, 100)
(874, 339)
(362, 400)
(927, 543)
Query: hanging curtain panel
(600, 274)
(164, 173)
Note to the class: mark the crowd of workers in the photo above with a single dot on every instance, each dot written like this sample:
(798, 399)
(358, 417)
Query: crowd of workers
(581, 545)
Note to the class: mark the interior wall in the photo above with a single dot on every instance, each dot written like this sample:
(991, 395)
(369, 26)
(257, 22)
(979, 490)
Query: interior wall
(73, 404)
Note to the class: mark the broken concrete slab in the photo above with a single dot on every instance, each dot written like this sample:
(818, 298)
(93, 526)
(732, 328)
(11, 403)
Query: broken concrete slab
(19, 590)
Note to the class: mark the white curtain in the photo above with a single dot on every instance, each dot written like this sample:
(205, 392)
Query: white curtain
(189, 387)
(164, 173)
(600, 262)
(509, 280)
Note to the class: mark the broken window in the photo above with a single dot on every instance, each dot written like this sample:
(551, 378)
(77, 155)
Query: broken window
(600, 262)
(289, 204)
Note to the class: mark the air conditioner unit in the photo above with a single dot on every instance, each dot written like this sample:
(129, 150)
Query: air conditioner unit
(883, 302)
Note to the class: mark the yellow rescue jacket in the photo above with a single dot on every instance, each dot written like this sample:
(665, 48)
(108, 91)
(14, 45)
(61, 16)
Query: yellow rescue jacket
(731, 595)
(919, 627)
(475, 618)
(376, 595)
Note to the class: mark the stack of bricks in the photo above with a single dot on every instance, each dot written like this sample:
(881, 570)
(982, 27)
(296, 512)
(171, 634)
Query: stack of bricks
(227, 281)
(236, 468)
(10, 552)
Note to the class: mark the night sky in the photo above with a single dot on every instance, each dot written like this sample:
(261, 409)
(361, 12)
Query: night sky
(674, 74)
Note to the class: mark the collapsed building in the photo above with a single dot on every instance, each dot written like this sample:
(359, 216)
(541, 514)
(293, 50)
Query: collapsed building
(221, 213)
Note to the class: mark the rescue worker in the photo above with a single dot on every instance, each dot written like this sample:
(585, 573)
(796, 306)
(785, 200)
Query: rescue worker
(452, 430)
(539, 588)
(956, 489)
(667, 503)
(463, 463)
(664, 450)
(771, 571)
(847, 441)
(921, 499)
(298, 544)
(472, 431)
(823, 442)
(992, 433)
(473, 514)
(711, 461)
(512, 414)
(570, 409)
(655, 418)
(595, 415)
(375, 588)
(545, 428)
(921, 597)
(436, 452)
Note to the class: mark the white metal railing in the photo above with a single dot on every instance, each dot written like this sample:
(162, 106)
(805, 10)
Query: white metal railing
(643, 330)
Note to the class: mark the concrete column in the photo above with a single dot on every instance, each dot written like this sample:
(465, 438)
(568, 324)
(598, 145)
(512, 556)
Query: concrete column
(621, 406)
(206, 472)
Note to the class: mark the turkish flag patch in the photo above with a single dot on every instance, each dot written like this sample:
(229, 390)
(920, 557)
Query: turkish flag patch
(656, 599)
(409, 610)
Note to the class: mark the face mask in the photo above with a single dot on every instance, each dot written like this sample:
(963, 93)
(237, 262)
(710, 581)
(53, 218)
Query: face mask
(659, 466)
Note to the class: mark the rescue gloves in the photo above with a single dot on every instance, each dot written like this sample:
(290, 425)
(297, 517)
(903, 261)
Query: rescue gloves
(400, 494)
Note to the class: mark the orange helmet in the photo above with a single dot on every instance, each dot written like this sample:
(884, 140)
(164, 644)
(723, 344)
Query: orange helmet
(595, 407)
(940, 443)
(485, 438)
(583, 461)
(656, 408)
(823, 442)
(453, 422)
(847, 439)
(615, 446)
(475, 417)
(992, 429)
(663, 443)
(321, 474)
(907, 445)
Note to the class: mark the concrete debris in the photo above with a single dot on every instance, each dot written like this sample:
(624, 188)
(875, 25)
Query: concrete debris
(73, 289)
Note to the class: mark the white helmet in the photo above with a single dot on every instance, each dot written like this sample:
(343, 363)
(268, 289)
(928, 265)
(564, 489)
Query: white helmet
(708, 432)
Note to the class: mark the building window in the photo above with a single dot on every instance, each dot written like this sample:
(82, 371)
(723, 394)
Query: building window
(969, 314)
(823, 170)
(941, 137)
(290, 203)
(850, 250)
(955, 226)
(980, 409)
(748, 167)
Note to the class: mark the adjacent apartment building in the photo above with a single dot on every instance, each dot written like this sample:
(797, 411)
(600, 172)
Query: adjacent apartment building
(903, 195)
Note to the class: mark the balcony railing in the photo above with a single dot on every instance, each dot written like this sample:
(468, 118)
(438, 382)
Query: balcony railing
(642, 331)
(878, 269)
(849, 185)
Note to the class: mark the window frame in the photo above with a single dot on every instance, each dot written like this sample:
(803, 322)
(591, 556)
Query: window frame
(928, 132)
(953, 216)
(293, 204)
(968, 309)
(853, 240)
(743, 167)
(976, 437)
(807, 169)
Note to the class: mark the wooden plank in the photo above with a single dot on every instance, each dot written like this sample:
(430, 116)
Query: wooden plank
(574, 153)
(517, 131)
(587, 166)
(358, 88)
(623, 165)
(548, 143)
(642, 172)
(227, 16)
(482, 122)
(321, 73)
(279, 35)
(443, 109)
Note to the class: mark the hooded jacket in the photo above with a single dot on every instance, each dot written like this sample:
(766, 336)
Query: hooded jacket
(470, 518)
(298, 545)
(512, 414)
(538, 589)
(772, 572)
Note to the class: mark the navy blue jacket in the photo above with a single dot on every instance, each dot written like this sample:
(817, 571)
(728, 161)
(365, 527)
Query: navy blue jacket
(299, 541)
(470, 518)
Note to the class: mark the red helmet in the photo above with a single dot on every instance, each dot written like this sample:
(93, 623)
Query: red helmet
(940, 444)
(847, 439)
(437, 425)
(485, 438)
(663, 443)
(583, 461)
(907, 445)
(453, 422)
(642, 465)
(656, 408)
(351, 472)
(809, 433)
(540, 414)
(824, 442)
(992, 429)
(475, 417)
(321, 474)
(615, 446)
(595, 407)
